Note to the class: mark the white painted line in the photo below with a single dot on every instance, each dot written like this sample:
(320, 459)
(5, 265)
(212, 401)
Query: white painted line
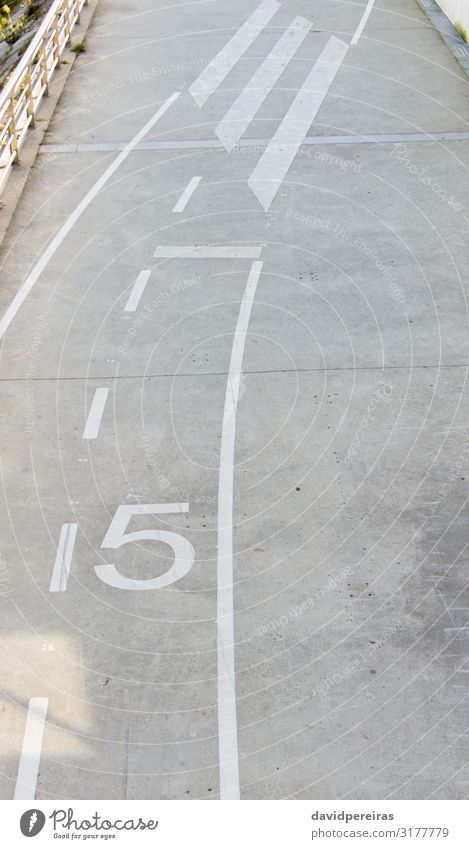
(361, 26)
(138, 290)
(215, 144)
(31, 751)
(63, 560)
(93, 422)
(276, 160)
(227, 721)
(187, 194)
(226, 59)
(246, 106)
(209, 251)
(56, 242)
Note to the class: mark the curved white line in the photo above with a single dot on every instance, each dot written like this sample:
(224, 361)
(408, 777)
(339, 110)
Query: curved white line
(227, 721)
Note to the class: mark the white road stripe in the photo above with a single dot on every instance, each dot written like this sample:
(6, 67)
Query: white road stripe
(246, 106)
(361, 26)
(214, 144)
(56, 242)
(187, 194)
(63, 560)
(209, 251)
(276, 160)
(226, 59)
(31, 751)
(137, 291)
(227, 721)
(93, 422)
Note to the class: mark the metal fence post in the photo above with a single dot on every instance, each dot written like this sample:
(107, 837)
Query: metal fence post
(43, 61)
(67, 28)
(14, 136)
(56, 39)
(30, 100)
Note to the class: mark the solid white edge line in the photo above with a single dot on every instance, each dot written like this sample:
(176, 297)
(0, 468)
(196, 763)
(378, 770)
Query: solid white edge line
(63, 559)
(361, 26)
(227, 721)
(137, 290)
(95, 415)
(187, 194)
(28, 769)
(56, 242)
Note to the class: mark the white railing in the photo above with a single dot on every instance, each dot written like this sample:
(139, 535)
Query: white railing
(20, 99)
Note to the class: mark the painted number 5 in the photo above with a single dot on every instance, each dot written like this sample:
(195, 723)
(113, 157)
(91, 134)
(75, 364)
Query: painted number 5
(117, 536)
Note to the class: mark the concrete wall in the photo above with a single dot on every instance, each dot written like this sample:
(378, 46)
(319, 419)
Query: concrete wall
(457, 11)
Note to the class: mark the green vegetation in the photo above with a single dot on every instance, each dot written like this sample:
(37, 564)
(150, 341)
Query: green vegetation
(10, 30)
(79, 48)
(461, 30)
(19, 20)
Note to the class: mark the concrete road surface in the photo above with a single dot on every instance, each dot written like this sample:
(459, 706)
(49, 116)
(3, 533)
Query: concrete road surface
(234, 413)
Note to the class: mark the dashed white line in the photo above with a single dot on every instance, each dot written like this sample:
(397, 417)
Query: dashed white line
(227, 721)
(246, 106)
(63, 559)
(138, 290)
(209, 251)
(95, 415)
(361, 26)
(276, 160)
(56, 242)
(216, 71)
(31, 751)
(187, 194)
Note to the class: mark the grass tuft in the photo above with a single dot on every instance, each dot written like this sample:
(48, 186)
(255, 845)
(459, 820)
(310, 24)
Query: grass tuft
(79, 48)
(461, 30)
